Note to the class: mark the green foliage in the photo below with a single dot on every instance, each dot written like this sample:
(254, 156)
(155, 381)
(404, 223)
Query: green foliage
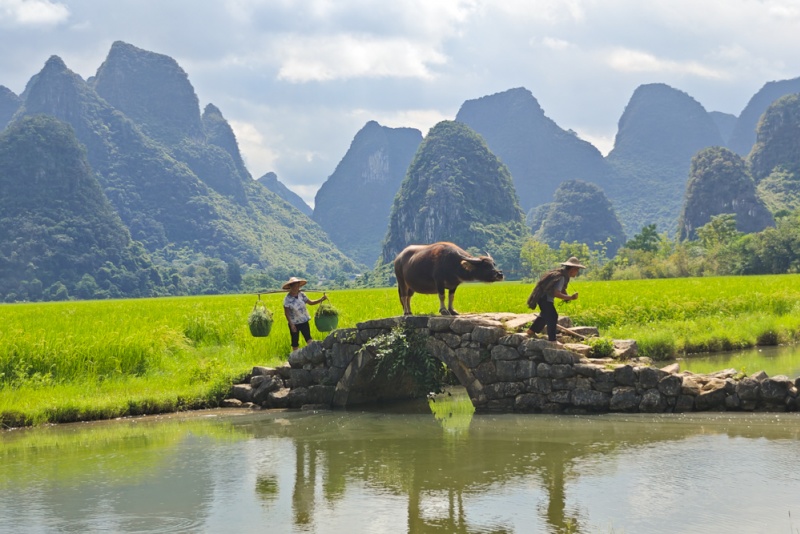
(402, 353)
(260, 321)
(718, 232)
(780, 191)
(646, 240)
(659, 347)
(602, 347)
(326, 309)
(537, 258)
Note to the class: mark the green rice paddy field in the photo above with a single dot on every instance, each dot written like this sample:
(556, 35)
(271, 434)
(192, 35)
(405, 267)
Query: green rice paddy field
(73, 361)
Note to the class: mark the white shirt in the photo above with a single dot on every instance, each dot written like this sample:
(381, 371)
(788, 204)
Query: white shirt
(298, 313)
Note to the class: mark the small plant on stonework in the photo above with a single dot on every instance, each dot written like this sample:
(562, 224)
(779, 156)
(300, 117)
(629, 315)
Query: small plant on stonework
(602, 347)
(402, 352)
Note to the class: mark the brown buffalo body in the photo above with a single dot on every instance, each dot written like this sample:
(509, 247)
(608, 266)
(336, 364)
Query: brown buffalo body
(430, 269)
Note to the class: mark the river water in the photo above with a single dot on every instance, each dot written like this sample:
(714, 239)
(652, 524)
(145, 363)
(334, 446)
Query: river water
(407, 469)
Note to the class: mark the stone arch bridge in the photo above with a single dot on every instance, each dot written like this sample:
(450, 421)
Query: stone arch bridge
(505, 371)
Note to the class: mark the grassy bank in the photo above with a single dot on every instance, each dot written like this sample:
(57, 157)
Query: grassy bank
(102, 359)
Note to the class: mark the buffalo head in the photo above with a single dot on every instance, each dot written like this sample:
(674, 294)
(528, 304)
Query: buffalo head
(482, 269)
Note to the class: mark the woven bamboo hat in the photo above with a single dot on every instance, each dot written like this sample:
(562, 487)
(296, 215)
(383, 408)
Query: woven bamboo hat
(573, 262)
(294, 280)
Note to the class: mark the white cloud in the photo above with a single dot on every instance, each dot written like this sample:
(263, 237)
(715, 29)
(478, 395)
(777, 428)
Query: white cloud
(602, 141)
(626, 60)
(254, 151)
(550, 12)
(33, 12)
(325, 58)
(556, 44)
(421, 119)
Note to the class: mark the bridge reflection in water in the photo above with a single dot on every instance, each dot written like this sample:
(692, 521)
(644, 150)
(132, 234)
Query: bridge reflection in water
(461, 476)
(405, 471)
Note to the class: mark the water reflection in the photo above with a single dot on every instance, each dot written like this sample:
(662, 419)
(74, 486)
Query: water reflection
(406, 472)
(783, 360)
(448, 484)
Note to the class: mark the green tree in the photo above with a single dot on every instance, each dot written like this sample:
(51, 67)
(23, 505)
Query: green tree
(718, 232)
(646, 240)
(536, 258)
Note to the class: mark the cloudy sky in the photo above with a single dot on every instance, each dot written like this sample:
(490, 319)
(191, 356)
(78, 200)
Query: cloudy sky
(298, 78)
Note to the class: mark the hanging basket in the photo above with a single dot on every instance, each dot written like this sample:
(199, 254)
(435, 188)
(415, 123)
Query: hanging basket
(260, 320)
(326, 317)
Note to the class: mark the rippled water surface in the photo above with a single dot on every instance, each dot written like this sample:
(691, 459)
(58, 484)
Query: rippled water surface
(412, 471)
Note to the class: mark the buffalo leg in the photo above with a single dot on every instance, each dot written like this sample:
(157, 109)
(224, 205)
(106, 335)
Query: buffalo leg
(407, 302)
(442, 309)
(405, 298)
(450, 295)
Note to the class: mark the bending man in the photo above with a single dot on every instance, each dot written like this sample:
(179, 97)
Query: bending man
(553, 284)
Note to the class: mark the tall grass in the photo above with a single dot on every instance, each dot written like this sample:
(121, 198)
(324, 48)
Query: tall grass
(98, 359)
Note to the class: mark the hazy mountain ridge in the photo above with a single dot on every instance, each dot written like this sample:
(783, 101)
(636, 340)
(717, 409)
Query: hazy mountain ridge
(659, 132)
(539, 154)
(743, 136)
(354, 203)
(271, 182)
(726, 123)
(9, 104)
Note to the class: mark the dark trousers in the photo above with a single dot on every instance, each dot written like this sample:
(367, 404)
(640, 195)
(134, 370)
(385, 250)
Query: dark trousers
(547, 316)
(305, 329)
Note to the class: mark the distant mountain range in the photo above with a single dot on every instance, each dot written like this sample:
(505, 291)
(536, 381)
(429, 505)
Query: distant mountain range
(175, 177)
(176, 182)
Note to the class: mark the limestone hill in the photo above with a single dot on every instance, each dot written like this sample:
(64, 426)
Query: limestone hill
(457, 190)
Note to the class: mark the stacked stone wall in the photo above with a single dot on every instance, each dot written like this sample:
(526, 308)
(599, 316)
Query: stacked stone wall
(507, 371)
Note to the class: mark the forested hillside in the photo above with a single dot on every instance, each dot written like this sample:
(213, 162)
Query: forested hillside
(719, 183)
(581, 213)
(59, 235)
(184, 193)
(775, 158)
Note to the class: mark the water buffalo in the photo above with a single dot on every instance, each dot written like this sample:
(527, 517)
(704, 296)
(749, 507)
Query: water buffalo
(430, 269)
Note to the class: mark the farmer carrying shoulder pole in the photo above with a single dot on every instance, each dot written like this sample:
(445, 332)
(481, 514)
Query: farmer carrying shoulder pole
(552, 284)
(294, 307)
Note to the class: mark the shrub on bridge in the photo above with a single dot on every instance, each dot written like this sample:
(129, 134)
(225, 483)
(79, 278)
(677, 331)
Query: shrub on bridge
(403, 353)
